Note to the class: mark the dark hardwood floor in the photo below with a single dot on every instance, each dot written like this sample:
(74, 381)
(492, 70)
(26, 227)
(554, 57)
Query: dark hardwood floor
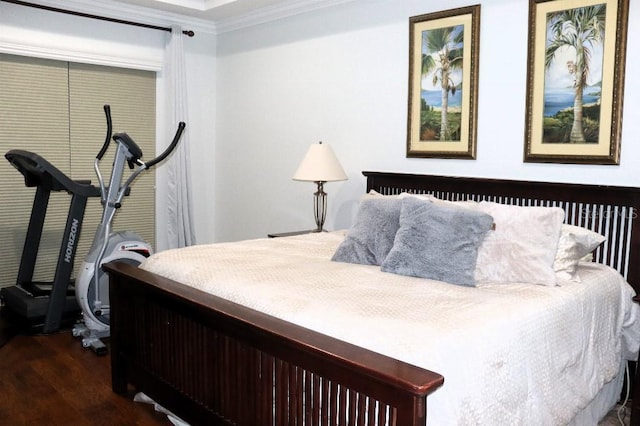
(53, 380)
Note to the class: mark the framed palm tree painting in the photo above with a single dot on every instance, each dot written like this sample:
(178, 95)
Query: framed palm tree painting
(575, 80)
(443, 83)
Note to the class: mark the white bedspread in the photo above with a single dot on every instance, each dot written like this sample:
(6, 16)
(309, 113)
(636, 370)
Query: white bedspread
(510, 354)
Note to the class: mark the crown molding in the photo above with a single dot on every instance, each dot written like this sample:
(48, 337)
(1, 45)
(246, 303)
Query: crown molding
(128, 12)
(275, 12)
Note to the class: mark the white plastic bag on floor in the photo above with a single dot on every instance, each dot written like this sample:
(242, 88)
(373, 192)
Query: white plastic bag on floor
(177, 421)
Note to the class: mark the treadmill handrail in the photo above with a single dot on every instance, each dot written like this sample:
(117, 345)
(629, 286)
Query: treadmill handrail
(39, 172)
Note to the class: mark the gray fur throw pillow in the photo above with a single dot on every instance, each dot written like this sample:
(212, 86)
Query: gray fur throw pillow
(369, 240)
(437, 241)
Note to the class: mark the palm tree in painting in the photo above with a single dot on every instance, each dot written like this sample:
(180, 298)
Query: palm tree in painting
(445, 47)
(578, 29)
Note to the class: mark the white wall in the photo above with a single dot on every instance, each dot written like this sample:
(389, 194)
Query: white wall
(340, 75)
(34, 32)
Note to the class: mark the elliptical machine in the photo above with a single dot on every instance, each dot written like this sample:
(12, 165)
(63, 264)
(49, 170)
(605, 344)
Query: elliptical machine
(92, 284)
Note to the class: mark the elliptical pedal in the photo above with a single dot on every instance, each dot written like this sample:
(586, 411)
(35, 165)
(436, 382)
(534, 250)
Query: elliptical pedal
(91, 339)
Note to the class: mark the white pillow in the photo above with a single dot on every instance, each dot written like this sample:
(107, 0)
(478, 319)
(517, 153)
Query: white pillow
(522, 247)
(375, 194)
(575, 243)
(434, 199)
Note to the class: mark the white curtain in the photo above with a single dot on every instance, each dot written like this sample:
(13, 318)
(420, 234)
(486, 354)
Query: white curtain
(180, 231)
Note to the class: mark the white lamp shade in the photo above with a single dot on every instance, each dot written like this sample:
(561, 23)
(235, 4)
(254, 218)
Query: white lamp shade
(320, 164)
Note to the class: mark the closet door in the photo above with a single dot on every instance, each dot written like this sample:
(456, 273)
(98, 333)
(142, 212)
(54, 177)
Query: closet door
(55, 109)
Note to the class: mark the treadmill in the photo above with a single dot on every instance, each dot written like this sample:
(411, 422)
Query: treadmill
(45, 307)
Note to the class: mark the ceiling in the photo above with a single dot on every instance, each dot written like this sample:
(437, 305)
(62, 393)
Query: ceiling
(209, 10)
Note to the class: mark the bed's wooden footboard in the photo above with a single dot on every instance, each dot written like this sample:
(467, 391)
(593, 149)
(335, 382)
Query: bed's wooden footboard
(214, 362)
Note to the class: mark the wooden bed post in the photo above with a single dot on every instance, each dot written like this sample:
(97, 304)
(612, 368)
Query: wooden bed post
(118, 366)
(414, 414)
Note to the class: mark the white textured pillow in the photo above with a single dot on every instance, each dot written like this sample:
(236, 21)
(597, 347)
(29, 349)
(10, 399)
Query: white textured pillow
(522, 247)
(434, 199)
(374, 194)
(575, 243)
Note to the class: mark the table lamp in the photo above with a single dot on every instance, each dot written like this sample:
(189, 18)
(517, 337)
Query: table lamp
(320, 165)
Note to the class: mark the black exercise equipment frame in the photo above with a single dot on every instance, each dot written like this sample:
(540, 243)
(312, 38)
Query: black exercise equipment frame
(46, 178)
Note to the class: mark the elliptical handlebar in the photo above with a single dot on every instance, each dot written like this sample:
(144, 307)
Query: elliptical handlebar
(133, 147)
(170, 148)
(129, 151)
(103, 150)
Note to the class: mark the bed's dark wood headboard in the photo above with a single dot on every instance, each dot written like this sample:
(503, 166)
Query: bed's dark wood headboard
(613, 211)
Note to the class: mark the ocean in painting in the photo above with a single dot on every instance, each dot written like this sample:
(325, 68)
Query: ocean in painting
(434, 98)
(558, 99)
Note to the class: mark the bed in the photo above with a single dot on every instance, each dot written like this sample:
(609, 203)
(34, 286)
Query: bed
(211, 360)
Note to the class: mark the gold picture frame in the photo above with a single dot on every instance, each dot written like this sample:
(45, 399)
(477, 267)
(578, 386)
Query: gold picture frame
(575, 81)
(443, 83)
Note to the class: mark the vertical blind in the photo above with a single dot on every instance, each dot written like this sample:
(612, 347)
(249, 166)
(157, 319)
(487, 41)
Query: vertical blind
(55, 109)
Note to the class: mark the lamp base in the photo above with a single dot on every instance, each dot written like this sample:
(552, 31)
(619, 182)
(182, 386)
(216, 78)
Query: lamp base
(320, 206)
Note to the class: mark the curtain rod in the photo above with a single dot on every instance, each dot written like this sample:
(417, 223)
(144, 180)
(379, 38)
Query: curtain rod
(101, 18)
